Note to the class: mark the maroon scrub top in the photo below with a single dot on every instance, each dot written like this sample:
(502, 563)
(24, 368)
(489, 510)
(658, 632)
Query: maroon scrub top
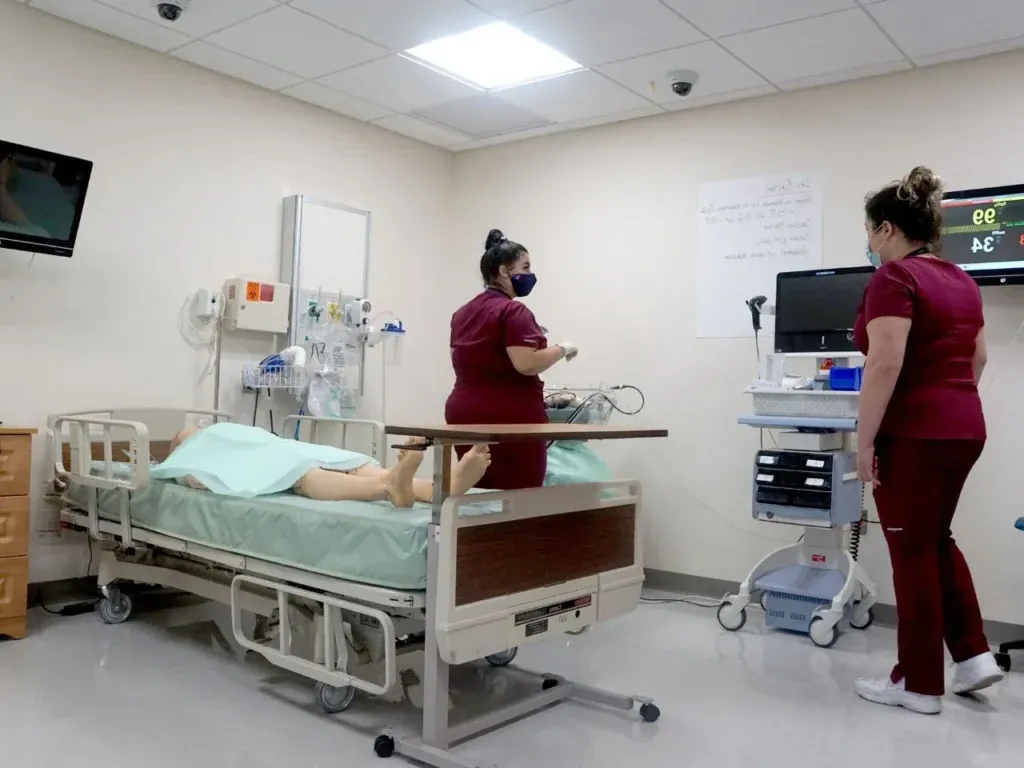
(936, 397)
(489, 390)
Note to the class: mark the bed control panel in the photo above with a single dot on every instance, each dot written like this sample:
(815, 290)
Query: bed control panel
(815, 488)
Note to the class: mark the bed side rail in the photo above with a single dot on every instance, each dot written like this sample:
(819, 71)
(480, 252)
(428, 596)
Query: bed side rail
(333, 670)
(552, 560)
(91, 438)
(319, 425)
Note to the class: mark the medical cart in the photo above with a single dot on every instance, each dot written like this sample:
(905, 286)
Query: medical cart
(815, 586)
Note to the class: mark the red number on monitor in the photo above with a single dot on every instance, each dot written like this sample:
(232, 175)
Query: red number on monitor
(1022, 239)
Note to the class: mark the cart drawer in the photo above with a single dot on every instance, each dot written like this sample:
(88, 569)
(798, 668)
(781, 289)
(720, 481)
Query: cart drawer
(15, 464)
(13, 586)
(14, 513)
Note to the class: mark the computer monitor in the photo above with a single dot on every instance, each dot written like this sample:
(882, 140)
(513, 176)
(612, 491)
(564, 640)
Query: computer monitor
(815, 309)
(983, 232)
(42, 195)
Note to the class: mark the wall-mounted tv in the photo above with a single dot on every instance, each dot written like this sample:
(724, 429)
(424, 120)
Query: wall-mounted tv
(41, 199)
(983, 232)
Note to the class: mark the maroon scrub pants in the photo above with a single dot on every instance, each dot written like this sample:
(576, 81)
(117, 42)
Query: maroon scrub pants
(920, 485)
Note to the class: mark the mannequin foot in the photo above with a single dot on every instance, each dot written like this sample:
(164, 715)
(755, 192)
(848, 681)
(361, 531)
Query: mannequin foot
(471, 467)
(398, 482)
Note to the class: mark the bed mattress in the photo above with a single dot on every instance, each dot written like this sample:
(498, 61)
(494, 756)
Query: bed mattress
(364, 541)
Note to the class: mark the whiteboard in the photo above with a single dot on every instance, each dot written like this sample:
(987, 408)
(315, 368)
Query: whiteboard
(749, 231)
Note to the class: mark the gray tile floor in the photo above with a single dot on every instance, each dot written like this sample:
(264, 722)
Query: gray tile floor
(166, 690)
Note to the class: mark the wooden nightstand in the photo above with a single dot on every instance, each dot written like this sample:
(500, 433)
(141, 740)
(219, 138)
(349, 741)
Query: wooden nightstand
(15, 491)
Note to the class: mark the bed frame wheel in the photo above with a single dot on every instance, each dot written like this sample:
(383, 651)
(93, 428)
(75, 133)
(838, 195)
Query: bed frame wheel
(650, 713)
(333, 700)
(503, 659)
(115, 607)
(384, 746)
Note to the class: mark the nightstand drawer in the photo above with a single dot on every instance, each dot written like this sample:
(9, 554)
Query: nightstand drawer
(15, 464)
(14, 514)
(13, 586)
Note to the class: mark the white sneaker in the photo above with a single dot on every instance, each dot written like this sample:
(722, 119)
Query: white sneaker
(976, 674)
(883, 691)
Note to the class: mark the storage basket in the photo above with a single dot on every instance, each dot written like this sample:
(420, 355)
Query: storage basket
(808, 403)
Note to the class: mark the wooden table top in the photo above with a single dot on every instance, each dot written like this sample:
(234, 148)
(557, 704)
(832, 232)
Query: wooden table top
(455, 434)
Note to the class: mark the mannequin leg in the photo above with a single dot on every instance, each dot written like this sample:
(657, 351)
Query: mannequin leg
(465, 474)
(394, 485)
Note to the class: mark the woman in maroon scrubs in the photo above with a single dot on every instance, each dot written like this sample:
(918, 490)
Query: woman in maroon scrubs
(919, 433)
(498, 352)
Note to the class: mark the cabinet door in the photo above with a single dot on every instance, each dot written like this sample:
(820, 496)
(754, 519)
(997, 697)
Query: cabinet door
(13, 526)
(13, 586)
(15, 464)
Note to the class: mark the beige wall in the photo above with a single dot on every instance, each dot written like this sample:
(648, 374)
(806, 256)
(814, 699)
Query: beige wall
(610, 217)
(190, 171)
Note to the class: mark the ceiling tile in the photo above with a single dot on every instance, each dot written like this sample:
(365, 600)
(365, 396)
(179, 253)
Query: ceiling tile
(296, 42)
(926, 27)
(531, 133)
(577, 96)
(819, 46)
(971, 52)
(228, 63)
(342, 103)
(398, 24)
(600, 31)
(201, 17)
(846, 75)
(719, 71)
(616, 117)
(398, 84)
(507, 9)
(482, 115)
(727, 18)
(721, 98)
(421, 130)
(103, 18)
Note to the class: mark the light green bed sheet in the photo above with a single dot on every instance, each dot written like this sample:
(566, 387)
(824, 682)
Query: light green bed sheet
(364, 541)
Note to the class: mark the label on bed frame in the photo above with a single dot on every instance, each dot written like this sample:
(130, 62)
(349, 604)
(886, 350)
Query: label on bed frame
(535, 615)
(537, 628)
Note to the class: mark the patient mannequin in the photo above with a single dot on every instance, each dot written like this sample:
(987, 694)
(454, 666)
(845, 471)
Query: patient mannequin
(397, 484)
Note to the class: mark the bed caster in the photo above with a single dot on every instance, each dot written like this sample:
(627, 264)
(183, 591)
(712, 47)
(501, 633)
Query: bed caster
(863, 622)
(384, 746)
(731, 619)
(549, 683)
(820, 635)
(333, 700)
(115, 607)
(650, 713)
(502, 659)
(1003, 660)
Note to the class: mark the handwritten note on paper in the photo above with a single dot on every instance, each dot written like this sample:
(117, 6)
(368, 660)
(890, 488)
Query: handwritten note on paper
(750, 230)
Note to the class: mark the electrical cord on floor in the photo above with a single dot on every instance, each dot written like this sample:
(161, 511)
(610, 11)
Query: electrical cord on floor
(74, 609)
(698, 601)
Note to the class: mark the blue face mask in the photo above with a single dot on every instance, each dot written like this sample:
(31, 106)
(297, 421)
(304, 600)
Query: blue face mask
(873, 258)
(522, 285)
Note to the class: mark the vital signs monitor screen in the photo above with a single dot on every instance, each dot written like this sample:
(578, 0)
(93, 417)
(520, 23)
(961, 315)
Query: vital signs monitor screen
(983, 232)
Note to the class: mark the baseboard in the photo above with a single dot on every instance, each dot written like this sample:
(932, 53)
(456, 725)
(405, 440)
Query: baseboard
(885, 615)
(72, 590)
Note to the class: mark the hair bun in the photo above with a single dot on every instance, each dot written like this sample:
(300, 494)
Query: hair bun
(920, 186)
(494, 237)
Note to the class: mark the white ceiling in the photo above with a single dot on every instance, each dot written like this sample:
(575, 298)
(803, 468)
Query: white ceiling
(341, 54)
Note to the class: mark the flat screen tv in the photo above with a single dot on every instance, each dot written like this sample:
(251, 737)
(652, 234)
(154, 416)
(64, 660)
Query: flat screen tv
(983, 232)
(41, 199)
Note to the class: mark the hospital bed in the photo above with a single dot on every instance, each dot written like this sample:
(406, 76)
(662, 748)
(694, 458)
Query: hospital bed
(344, 591)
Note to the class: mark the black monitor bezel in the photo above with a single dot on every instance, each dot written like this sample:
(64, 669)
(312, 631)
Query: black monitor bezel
(1014, 276)
(865, 270)
(48, 245)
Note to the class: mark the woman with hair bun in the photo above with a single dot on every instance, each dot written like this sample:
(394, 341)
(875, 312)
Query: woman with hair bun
(919, 433)
(498, 353)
